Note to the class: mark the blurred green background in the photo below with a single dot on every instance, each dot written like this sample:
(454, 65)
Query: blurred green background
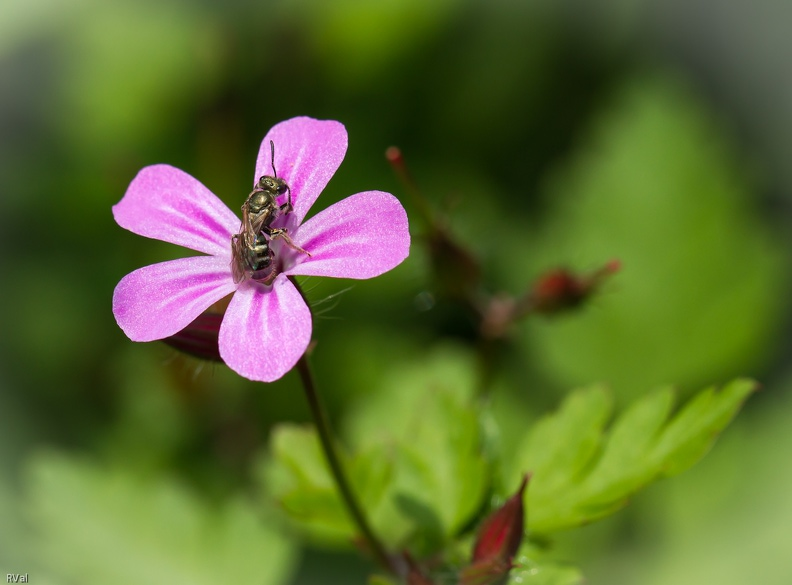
(551, 133)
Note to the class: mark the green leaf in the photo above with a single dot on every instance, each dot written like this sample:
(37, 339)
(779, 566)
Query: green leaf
(691, 433)
(532, 574)
(581, 472)
(99, 526)
(415, 460)
(560, 447)
(298, 477)
(425, 417)
(727, 520)
(531, 568)
(658, 184)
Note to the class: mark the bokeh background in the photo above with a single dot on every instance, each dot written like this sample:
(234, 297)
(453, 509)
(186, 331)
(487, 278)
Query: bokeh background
(549, 132)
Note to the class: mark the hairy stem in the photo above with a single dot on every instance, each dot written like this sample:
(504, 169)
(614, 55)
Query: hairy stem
(331, 454)
(322, 422)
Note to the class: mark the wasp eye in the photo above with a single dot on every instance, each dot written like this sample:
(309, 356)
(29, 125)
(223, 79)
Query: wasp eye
(282, 188)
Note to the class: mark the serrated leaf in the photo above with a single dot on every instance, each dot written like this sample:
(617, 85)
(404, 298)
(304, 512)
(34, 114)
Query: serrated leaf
(415, 460)
(425, 415)
(108, 527)
(586, 473)
(691, 433)
(626, 445)
(727, 520)
(298, 477)
(561, 446)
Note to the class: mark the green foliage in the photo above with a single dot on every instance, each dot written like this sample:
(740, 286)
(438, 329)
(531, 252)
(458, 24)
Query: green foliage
(415, 460)
(407, 470)
(427, 417)
(12, 530)
(100, 527)
(531, 568)
(300, 480)
(115, 39)
(582, 473)
(481, 97)
(736, 500)
(657, 184)
(359, 40)
(152, 425)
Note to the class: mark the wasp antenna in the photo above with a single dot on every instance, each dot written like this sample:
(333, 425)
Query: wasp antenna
(272, 151)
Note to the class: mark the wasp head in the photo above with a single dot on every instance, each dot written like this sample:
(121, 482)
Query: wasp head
(272, 185)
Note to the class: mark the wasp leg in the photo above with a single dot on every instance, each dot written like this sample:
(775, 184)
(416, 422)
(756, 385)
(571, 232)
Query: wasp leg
(283, 234)
(287, 207)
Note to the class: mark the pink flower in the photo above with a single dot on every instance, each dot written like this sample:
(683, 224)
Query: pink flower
(265, 329)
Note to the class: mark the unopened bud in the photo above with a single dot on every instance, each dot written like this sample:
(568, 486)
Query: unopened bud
(560, 289)
(497, 543)
(200, 338)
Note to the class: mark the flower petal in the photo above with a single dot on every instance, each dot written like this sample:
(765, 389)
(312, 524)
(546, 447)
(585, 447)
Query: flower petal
(308, 152)
(160, 300)
(265, 330)
(361, 236)
(167, 204)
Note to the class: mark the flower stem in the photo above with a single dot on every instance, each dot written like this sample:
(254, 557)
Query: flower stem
(322, 422)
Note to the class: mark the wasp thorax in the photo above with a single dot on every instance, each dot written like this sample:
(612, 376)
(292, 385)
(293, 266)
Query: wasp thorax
(260, 200)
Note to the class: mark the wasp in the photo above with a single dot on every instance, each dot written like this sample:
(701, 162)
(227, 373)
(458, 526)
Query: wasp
(254, 261)
(251, 254)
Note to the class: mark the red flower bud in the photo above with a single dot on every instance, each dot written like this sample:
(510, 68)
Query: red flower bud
(497, 543)
(561, 289)
(200, 338)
